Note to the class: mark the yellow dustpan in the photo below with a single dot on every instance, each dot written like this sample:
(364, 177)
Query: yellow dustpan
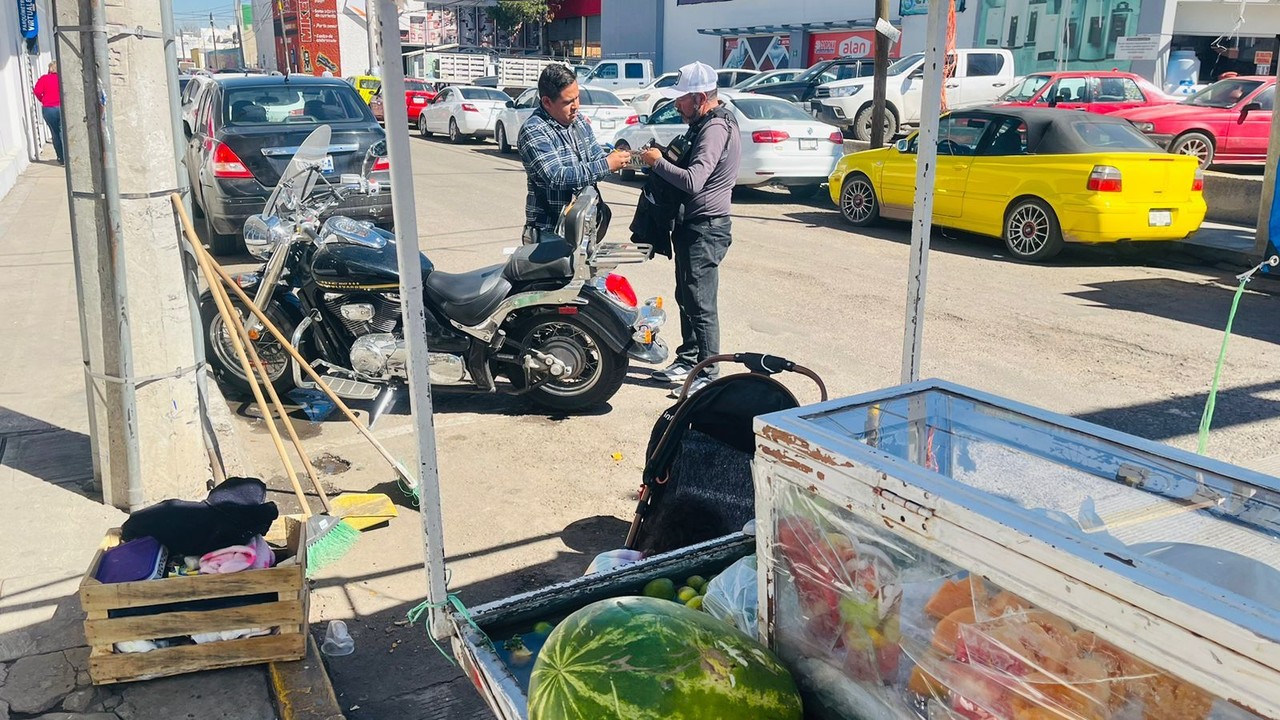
(363, 510)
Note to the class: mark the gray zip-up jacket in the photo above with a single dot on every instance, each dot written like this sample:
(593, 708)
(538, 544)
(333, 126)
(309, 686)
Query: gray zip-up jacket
(712, 170)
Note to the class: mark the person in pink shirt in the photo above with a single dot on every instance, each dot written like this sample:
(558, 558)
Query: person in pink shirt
(49, 92)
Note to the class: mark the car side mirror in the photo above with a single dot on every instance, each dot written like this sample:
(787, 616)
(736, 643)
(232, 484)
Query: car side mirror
(511, 103)
(186, 128)
(644, 119)
(1244, 111)
(902, 145)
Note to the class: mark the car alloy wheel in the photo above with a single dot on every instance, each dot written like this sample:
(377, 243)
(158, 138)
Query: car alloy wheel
(858, 201)
(501, 136)
(454, 135)
(422, 126)
(1197, 146)
(1031, 231)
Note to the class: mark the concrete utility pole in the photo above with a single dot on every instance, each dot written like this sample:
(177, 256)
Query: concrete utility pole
(213, 37)
(140, 359)
(880, 82)
(1267, 206)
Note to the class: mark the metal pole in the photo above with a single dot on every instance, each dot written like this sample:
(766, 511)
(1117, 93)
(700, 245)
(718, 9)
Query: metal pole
(371, 29)
(405, 215)
(1266, 208)
(213, 37)
(881, 80)
(922, 213)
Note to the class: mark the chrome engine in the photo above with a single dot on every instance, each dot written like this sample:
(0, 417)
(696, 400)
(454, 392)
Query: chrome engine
(365, 313)
(382, 356)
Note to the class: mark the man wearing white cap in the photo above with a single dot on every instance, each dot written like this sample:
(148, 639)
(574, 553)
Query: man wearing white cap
(706, 173)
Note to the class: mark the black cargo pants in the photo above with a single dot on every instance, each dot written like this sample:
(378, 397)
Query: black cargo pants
(699, 247)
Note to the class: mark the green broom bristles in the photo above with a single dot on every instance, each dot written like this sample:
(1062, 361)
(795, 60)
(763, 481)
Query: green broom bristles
(328, 539)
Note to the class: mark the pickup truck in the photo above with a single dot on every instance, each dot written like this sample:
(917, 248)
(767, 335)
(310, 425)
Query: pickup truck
(620, 74)
(802, 88)
(980, 77)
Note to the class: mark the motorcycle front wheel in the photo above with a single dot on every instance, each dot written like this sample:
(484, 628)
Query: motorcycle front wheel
(221, 354)
(596, 371)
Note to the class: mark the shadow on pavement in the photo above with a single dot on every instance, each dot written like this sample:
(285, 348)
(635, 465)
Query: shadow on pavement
(54, 454)
(1180, 415)
(397, 673)
(1201, 303)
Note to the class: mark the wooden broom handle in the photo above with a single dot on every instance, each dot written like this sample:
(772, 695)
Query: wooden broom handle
(234, 329)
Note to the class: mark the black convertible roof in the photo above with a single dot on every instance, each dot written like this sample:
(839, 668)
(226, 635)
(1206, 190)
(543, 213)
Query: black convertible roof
(1055, 132)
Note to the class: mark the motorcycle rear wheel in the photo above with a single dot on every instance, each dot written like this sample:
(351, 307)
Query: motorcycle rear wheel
(597, 371)
(221, 355)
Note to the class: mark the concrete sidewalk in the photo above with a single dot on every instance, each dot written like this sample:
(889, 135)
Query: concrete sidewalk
(51, 519)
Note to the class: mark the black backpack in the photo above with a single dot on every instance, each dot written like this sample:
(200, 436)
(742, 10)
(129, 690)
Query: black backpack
(697, 473)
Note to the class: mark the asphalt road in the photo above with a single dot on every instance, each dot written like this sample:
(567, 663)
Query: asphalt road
(1124, 339)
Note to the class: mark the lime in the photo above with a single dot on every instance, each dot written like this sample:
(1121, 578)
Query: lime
(694, 602)
(543, 628)
(697, 582)
(686, 593)
(662, 588)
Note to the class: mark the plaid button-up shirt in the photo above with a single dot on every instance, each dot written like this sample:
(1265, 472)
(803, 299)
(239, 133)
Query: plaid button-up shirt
(559, 162)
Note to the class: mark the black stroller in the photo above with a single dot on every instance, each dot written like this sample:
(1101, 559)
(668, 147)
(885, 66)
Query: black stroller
(697, 473)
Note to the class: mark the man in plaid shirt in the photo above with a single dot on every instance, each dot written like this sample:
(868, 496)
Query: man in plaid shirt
(560, 153)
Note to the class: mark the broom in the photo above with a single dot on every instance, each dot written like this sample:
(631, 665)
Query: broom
(328, 538)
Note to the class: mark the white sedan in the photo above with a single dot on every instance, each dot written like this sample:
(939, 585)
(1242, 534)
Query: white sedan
(606, 113)
(781, 144)
(462, 111)
(643, 100)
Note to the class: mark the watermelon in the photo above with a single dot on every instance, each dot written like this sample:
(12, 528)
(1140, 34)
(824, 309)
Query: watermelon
(639, 658)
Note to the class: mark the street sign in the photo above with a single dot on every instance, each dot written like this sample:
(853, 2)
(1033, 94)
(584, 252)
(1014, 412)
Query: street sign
(1138, 47)
(913, 7)
(1263, 57)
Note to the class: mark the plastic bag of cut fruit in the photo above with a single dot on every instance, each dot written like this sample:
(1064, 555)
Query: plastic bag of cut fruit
(991, 654)
(838, 589)
(733, 596)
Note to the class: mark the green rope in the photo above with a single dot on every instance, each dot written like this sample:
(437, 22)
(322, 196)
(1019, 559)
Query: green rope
(451, 600)
(1206, 418)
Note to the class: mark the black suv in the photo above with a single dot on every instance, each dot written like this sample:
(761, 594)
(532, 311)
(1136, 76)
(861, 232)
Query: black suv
(245, 129)
(802, 89)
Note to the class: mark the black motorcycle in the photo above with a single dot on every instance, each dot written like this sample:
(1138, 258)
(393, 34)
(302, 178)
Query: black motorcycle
(551, 323)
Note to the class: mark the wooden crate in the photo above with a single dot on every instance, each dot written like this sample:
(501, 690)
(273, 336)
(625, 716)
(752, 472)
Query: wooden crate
(288, 612)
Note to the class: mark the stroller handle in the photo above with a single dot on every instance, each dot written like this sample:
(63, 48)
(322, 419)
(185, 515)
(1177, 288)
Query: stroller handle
(756, 363)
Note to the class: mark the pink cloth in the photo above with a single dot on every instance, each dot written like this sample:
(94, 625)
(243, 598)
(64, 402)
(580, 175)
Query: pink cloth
(257, 554)
(47, 91)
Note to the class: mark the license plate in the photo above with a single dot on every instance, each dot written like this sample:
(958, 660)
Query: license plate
(419, 101)
(808, 144)
(326, 165)
(1160, 218)
(608, 124)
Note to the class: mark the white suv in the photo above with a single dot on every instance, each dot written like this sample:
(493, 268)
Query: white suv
(980, 76)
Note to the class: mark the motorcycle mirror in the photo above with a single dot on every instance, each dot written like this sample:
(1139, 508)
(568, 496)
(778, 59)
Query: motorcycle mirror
(376, 151)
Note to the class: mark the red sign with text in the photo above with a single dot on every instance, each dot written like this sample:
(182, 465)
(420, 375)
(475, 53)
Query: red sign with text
(847, 43)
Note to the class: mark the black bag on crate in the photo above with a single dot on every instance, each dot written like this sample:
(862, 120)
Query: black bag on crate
(697, 473)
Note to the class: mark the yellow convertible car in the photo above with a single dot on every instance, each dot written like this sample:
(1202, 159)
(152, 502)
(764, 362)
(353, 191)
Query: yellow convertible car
(1035, 177)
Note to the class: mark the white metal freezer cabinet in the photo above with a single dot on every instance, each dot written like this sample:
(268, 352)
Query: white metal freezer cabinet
(1170, 556)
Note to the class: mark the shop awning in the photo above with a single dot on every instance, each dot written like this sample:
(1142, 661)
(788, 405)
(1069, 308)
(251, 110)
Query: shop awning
(813, 27)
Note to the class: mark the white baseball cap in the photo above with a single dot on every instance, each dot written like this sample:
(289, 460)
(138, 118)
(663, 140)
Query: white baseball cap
(695, 77)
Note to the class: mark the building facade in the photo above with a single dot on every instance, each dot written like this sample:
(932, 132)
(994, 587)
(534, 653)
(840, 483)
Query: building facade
(1226, 35)
(22, 60)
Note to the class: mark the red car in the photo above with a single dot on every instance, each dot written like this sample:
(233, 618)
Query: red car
(1102, 92)
(1226, 122)
(417, 94)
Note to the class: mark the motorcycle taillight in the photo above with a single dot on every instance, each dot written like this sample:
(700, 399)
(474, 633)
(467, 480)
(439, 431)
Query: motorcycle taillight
(620, 287)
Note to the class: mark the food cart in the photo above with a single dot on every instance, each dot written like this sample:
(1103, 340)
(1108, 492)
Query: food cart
(932, 551)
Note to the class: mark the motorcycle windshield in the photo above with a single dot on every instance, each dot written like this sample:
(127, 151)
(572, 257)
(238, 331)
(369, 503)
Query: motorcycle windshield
(298, 180)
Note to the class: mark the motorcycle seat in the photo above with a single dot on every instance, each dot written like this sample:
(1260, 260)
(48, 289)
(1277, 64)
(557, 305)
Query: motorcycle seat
(550, 259)
(468, 297)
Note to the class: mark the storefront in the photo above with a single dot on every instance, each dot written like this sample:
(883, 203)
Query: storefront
(1228, 37)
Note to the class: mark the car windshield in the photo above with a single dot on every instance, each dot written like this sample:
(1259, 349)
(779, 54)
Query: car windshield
(814, 71)
(1027, 89)
(416, 85)
(281, 104)
(591, 96)
(1223, 94)
(763, 108)
(1112, 136)
(475, 93)
(905, 64)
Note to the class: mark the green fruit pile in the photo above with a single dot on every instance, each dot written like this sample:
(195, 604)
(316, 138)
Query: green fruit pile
(690, 594)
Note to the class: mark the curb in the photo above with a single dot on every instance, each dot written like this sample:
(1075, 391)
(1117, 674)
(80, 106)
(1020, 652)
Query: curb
(302, 688)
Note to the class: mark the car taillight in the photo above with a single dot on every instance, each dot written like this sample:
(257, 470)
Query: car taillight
(1197, 183)
(633, 119)
(836, 138)
(769, 136)
(620, 287)
(1104, 178)
(381, 164)
(226, 164)
(468, 107)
